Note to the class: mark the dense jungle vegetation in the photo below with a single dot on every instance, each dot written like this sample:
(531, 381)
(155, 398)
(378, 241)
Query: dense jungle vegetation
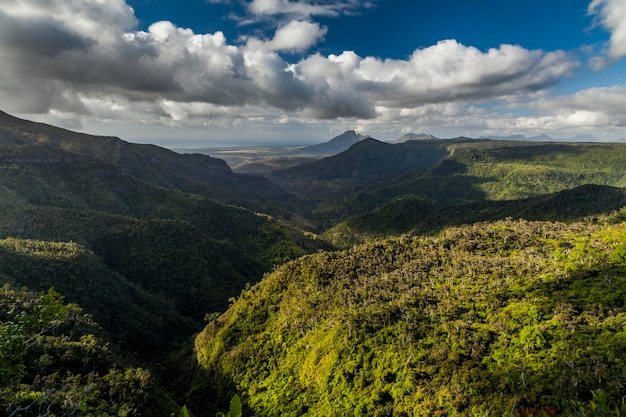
(499, 318)
(147, 241)
(55, 360)
(476, 278)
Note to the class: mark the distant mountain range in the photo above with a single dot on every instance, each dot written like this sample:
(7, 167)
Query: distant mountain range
(539, 138)
(414, 136)
(544, 138)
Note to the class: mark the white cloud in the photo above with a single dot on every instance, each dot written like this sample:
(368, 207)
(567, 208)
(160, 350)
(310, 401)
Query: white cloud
(444, 72)
(173, 63)
(94, 19)
(302, 8)
(295, 36)
(90, 62)
(597, 111)
(612, 16)
(590, 107)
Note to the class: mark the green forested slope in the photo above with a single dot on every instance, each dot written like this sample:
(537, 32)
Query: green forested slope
(501, 318)
(23, 141)
(161, 258)
(166, 266)
(496, 170)
(142, 321)
(411, 215)
(522, 171)
(455, 171)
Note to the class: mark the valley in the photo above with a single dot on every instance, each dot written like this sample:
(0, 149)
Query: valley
(354, 277)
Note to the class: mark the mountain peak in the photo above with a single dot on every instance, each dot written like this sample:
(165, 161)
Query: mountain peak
(349, 136)
(334, 146)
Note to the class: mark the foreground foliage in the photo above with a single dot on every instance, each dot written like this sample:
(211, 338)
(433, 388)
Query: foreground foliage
(55, 361)
(511, 317)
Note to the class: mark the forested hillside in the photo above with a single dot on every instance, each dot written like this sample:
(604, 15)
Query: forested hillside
(412, 215)
(24, 142)
(503, 318)
(490, 279)
(506, 171)
(148, 262)
(372, 174)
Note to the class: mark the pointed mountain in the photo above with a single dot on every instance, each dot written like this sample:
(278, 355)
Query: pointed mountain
(366, 161)
(334, 146)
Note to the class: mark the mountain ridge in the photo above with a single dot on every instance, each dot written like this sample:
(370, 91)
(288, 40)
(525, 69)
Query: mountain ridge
(367, 160)
(193, 173)
(334, 146)
(544, 138)
(418, 217)
(434, 322)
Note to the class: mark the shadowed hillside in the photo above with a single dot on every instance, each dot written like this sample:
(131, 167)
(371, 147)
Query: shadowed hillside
(409, 215)
(167, 257)
(55, 360)
(140, 321)
(366, 161)
(23, 141)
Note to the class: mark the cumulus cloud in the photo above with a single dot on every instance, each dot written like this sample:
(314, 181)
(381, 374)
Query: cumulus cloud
(446, 72)
(591, 107)
(611, 14)
(595, 111)
(90, 59)
(295, 36)
(298, 36)
(45, 36)
(304, 8)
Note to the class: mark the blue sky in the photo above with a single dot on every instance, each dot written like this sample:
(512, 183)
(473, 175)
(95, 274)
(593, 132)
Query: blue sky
(230, 72)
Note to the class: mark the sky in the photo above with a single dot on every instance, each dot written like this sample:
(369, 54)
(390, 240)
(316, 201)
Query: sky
(202, 73)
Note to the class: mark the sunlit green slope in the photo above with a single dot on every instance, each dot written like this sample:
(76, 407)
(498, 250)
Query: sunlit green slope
(491, 319)
(416, 216)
